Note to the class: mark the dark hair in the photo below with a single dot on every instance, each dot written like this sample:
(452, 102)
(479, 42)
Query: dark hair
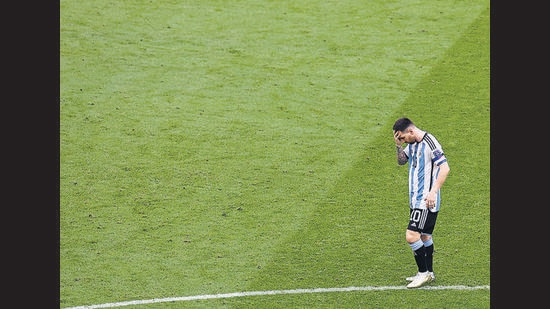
(402, 124)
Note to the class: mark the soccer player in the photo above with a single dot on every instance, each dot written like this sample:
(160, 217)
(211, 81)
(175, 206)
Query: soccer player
(428, 170)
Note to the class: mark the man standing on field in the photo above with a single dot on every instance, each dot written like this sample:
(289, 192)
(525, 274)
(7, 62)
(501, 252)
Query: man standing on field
(428, 170)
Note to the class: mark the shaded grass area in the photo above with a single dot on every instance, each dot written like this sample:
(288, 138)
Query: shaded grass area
(209, 148)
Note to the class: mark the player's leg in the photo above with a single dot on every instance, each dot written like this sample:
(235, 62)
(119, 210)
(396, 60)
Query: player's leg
(429, 245)
(417, 218)
(418, 249)
(417, 222)
(427, 239)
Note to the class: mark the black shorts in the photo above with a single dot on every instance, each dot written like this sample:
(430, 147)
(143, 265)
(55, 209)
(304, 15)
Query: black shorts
(422, 221)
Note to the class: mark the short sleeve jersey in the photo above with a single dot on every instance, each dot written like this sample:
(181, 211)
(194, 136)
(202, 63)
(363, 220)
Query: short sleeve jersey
(424, 157)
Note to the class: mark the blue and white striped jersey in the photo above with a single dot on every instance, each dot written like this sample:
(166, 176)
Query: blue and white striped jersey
(424, 160)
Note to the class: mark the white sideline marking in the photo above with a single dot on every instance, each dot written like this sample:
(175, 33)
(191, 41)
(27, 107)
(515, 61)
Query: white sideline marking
(297, 291)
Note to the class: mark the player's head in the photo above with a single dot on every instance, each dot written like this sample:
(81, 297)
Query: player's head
(403, 129)
(402, 124)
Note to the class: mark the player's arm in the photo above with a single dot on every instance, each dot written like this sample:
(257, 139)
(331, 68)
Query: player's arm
(444, 170)
(401, 156)
(441, 177)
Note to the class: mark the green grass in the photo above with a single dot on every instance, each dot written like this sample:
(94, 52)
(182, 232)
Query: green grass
(216, 147)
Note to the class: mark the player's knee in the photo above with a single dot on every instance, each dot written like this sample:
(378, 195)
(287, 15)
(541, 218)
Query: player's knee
(428, 242)
(412, 236)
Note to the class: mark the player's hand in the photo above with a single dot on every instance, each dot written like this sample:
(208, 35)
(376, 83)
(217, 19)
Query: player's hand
(398, 142)
(430, 200)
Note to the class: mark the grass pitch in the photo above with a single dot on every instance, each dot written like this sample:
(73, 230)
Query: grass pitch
(216, 147)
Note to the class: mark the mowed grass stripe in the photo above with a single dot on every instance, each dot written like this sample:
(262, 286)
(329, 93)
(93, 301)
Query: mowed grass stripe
(355, 235)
